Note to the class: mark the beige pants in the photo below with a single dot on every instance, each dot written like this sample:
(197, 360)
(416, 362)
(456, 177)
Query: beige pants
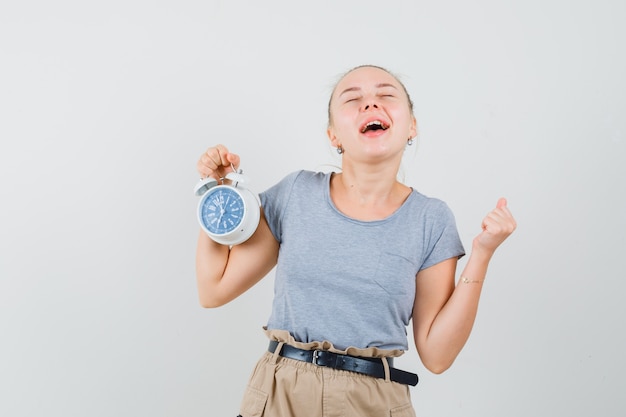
(283, 387)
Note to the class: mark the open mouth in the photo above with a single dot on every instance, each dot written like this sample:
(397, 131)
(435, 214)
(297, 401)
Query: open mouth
(374, 125)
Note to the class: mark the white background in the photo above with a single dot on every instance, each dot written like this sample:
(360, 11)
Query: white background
(106, 106)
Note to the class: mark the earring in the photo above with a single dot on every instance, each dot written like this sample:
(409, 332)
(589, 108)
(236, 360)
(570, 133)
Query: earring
(409, 142)
(339, 150)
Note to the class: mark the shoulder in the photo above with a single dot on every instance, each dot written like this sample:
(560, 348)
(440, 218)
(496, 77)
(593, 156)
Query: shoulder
(306, 175)
(298, 182)
(430, 212)
(429, 205)
(304, 178)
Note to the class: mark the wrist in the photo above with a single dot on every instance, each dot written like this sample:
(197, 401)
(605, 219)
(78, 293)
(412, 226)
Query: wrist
(466, 280)
(480, 252)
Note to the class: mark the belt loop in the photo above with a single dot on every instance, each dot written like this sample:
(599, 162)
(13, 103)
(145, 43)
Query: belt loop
(386, 367)
(276, 353)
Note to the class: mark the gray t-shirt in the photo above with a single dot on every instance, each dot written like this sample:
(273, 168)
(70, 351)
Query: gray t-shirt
(347, 281)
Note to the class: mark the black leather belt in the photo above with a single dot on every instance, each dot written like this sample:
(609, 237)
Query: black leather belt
(367, 366)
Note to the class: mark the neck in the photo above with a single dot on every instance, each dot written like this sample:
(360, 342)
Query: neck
(370, 193)
(367, 186)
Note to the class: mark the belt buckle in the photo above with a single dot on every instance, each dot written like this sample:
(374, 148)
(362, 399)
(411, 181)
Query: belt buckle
(316, 353)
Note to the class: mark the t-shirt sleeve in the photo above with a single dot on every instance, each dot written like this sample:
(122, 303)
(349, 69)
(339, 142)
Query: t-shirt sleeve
(274, 201)
(443, 239)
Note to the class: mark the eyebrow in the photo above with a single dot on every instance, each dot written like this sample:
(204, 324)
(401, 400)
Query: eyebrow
(381, 85)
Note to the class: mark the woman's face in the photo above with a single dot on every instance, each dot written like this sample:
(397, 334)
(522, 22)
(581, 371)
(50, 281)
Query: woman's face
(370, 114)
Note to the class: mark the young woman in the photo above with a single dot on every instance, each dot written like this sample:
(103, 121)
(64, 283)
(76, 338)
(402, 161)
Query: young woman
(358, 256)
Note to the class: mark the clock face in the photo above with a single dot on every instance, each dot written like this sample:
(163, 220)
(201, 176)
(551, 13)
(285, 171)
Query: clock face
(222, 210)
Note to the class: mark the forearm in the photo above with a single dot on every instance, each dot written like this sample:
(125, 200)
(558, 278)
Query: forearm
(223, 274)
(211, 261)
(452, 327)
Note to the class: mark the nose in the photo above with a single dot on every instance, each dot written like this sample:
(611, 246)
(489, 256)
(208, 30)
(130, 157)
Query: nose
(370, 106)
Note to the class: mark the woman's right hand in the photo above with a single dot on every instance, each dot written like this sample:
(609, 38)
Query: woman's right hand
(216, 162)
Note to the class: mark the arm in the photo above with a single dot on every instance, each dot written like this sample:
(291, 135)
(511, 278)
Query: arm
(224, 273)
(443, 314)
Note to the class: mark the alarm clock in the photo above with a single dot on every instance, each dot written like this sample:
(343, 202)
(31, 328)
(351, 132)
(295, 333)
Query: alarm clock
(228, 213)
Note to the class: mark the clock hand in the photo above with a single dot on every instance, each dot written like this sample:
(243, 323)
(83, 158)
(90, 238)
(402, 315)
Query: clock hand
(222, 209)
(222, 212)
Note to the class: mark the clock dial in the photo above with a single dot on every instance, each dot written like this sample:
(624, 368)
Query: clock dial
(222, 210)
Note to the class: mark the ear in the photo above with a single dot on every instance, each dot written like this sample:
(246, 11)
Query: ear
(332, 136)
(413, 127)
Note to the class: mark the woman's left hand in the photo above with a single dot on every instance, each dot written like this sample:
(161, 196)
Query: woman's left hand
(497, 226)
